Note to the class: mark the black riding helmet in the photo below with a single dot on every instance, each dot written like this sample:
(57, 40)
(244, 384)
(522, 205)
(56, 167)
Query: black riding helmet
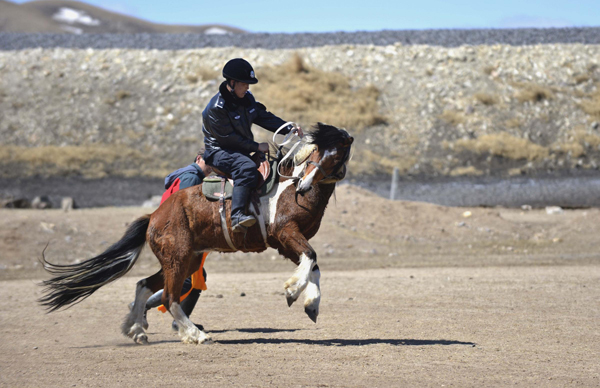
(240, 70)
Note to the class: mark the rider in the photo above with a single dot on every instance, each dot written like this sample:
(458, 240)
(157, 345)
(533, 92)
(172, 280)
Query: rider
(226, 125)
(180, 179)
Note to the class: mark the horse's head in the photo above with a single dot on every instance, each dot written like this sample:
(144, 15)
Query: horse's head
(326, 163)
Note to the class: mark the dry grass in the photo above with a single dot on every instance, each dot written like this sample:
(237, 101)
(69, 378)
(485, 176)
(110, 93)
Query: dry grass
(581, 78)
(202, 73)
(578, 143)
(466, 171)
(486, 98)
(119, 96)
(503, 145)
(533, 93)
(591, 106)
(90, 161)
(489, 69)
(369, 162)
(573, 149)
(513, 123)
(306, 95)
(452, 117)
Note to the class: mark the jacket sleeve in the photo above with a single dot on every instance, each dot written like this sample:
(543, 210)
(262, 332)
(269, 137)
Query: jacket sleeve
(223, 132)
(268, 120)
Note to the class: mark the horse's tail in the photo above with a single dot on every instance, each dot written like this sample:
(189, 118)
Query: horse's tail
(75, 282)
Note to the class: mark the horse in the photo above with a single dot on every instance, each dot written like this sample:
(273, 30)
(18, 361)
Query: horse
(187, 224)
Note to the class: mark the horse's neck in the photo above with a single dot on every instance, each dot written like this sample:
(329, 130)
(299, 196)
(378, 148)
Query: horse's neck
(318, 197)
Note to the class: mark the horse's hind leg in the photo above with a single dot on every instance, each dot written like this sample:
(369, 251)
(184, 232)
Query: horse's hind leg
(134, 324)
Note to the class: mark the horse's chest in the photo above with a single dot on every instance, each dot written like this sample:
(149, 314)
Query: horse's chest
(269, 203)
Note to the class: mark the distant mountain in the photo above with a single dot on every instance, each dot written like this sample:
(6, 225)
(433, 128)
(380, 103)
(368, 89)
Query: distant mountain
(61, 16)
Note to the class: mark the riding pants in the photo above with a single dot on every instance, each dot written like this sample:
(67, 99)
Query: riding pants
(239, 165)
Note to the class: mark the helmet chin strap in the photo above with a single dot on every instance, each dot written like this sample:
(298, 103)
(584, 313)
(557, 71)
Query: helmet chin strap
(232, 86)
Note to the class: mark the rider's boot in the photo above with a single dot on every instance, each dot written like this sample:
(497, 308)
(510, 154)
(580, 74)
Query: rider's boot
(239, 220)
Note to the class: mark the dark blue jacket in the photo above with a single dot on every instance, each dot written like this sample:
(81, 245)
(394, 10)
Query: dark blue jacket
(189, 176)
(227, 122)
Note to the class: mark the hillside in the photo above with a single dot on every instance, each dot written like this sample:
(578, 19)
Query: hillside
(60, 16)
(487, 110)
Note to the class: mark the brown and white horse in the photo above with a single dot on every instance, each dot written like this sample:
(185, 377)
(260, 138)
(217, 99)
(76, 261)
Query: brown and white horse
(187, 224)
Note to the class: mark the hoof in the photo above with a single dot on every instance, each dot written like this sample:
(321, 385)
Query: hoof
(207, 341)
(312, 314)
(290, 300)
(141, 339)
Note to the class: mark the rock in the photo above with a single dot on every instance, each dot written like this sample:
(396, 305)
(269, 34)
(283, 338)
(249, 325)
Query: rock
(19, 203)
(554, 210)
(67, 204)
(154, 201)
(41, 202)
(47, 227)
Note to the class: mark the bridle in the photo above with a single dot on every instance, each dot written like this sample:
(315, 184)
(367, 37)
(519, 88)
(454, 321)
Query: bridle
(338, 173)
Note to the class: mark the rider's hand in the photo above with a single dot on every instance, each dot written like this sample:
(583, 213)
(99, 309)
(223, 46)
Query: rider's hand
(263, 147)
(299, 131)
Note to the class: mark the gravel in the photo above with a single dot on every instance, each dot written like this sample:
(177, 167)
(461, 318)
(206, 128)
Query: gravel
(446, 38)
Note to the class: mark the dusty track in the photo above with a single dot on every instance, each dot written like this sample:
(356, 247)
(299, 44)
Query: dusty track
(507, 298)
(380, 328)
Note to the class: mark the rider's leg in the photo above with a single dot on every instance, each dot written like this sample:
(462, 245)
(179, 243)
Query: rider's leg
(245, 178)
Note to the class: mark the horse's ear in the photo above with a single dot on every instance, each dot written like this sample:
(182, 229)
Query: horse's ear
(349, 141)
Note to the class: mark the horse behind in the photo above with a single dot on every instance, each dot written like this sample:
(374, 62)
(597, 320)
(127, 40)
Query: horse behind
(187, 225)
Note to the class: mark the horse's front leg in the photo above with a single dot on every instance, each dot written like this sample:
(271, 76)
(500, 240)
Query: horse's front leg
(307, 274)
(174, 278)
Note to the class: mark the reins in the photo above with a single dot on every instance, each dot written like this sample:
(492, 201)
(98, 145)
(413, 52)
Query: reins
(286, 140)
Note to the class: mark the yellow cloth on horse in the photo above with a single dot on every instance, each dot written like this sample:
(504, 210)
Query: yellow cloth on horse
(198, 283)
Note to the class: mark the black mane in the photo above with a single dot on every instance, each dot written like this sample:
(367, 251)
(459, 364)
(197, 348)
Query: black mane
(327, 136)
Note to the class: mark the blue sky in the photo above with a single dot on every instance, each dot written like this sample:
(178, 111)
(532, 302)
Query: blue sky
(361, 15)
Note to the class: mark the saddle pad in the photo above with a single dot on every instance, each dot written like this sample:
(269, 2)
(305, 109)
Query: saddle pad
(211, 188)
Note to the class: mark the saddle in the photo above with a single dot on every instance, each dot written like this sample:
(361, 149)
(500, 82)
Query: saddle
(221, 186)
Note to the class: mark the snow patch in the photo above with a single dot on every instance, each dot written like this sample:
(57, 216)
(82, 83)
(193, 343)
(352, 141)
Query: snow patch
(216, 31)
(72, 16)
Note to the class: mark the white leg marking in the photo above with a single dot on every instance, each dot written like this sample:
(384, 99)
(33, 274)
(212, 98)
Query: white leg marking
(133, 326)
(188, 332)
(313, 289)
(299, 280)
(312, 295)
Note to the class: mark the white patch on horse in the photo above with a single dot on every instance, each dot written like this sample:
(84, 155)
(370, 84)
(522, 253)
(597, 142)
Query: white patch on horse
(306, 181)
(188, 332)
(299, 280)
(312, 294)
(269, 202)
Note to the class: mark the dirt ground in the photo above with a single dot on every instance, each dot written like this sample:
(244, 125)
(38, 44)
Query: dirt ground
(413, 295)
